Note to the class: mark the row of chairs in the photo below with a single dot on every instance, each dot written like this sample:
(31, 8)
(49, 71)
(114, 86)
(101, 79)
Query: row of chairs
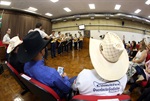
(45, 93)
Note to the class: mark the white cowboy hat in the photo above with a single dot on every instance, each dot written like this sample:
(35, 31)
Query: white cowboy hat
(109, 57)
(14, 42)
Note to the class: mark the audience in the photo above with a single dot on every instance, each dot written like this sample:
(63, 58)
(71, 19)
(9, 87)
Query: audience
(133, 51)
(12, 50)
(110, 60)
(31, 53)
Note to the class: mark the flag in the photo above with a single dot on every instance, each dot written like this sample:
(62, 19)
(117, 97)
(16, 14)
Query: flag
(0, 21)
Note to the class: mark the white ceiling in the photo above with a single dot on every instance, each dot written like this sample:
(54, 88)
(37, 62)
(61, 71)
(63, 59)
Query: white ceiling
(81, 7)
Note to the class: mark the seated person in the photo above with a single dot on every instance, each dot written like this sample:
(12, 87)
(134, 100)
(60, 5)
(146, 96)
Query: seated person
(138, 60)
(143, 74)
(110, 62)
(12, 51)
(31, 52)
(133, 51)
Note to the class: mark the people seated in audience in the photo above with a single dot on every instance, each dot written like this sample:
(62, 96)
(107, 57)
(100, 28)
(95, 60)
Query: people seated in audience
(12, 50)
(138, 64)
(31, 52)
(110, 62)
(133, 51)
(128, 48)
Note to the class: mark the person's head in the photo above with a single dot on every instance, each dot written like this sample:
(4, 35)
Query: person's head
(133, 45)
(32, 47)
(109, 57)
(66, 34)
(127, 46)
(148, 46)
(59, 33)
(8, 31)
(38, 25)
(53, 32)
(142, 45)
(13, 45)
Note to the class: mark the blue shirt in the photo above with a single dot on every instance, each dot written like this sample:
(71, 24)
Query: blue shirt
(48, 76)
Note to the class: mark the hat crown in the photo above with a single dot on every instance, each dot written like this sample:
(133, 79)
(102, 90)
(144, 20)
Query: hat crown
(32, 42)
(111, 47)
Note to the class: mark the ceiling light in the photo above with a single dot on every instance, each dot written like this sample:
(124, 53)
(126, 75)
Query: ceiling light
(137, 11)
(54, 1)
(48, 14)
(32, 9)
(92, 6)
(5, 3)
(149, 16)
(147, 2)
(117, 7)
(67, 9)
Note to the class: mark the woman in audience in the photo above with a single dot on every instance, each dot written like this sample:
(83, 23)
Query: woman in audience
(133, 51)
(12, 51)
(137, 63)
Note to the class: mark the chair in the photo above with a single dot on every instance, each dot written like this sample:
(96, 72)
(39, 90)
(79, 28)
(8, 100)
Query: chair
(2, 54)
(98, 98)
(15, 74)
(41, 90)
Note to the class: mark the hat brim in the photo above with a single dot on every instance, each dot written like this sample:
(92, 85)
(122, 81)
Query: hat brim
(106, 70)
(24, 57)
(10, 49)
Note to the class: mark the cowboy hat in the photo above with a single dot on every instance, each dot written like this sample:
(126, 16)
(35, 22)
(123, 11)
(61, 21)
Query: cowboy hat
(14, 42)
(109, 57)
(31, 46)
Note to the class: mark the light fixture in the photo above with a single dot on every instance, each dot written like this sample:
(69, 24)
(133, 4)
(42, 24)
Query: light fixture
(48, 14)
(117, 7)
(147, 2)
(92, 6)
(137, 11)
(5, 3)
(32, 9)
(149, 16)
(54, 1)
(67, 9)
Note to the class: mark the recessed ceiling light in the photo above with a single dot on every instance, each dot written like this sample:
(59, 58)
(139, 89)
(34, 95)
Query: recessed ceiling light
(5, 3)
(67, 9)
(137, 11)
(48, 14)
(54, 1)
(32, 9)
(147, 2)
(149, 16)
(117, 7)
(92, 6)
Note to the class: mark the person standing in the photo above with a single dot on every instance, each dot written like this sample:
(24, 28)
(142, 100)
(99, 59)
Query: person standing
(80, 41)
(6, 38)
(53, 44)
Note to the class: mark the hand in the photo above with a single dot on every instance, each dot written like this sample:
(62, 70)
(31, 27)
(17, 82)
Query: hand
(64, 74)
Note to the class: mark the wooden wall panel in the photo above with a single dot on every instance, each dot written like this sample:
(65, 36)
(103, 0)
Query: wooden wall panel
(20, 23)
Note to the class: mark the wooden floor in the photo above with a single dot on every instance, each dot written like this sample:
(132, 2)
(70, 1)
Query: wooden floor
(73, 62)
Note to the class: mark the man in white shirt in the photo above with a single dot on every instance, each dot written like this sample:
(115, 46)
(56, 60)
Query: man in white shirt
(42, 33)
(110, 62)
(6, 37)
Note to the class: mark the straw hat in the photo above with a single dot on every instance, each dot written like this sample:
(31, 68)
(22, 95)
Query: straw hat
(14, 42)
(109, 57)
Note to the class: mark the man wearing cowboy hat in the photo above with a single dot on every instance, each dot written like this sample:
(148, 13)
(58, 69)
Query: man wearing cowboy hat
(12, 50)
(110, 62)
(31, 53)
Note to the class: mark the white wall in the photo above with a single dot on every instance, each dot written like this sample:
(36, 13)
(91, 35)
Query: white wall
(129, 36)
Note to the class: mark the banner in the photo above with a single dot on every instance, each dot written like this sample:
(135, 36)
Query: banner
(0, 21)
